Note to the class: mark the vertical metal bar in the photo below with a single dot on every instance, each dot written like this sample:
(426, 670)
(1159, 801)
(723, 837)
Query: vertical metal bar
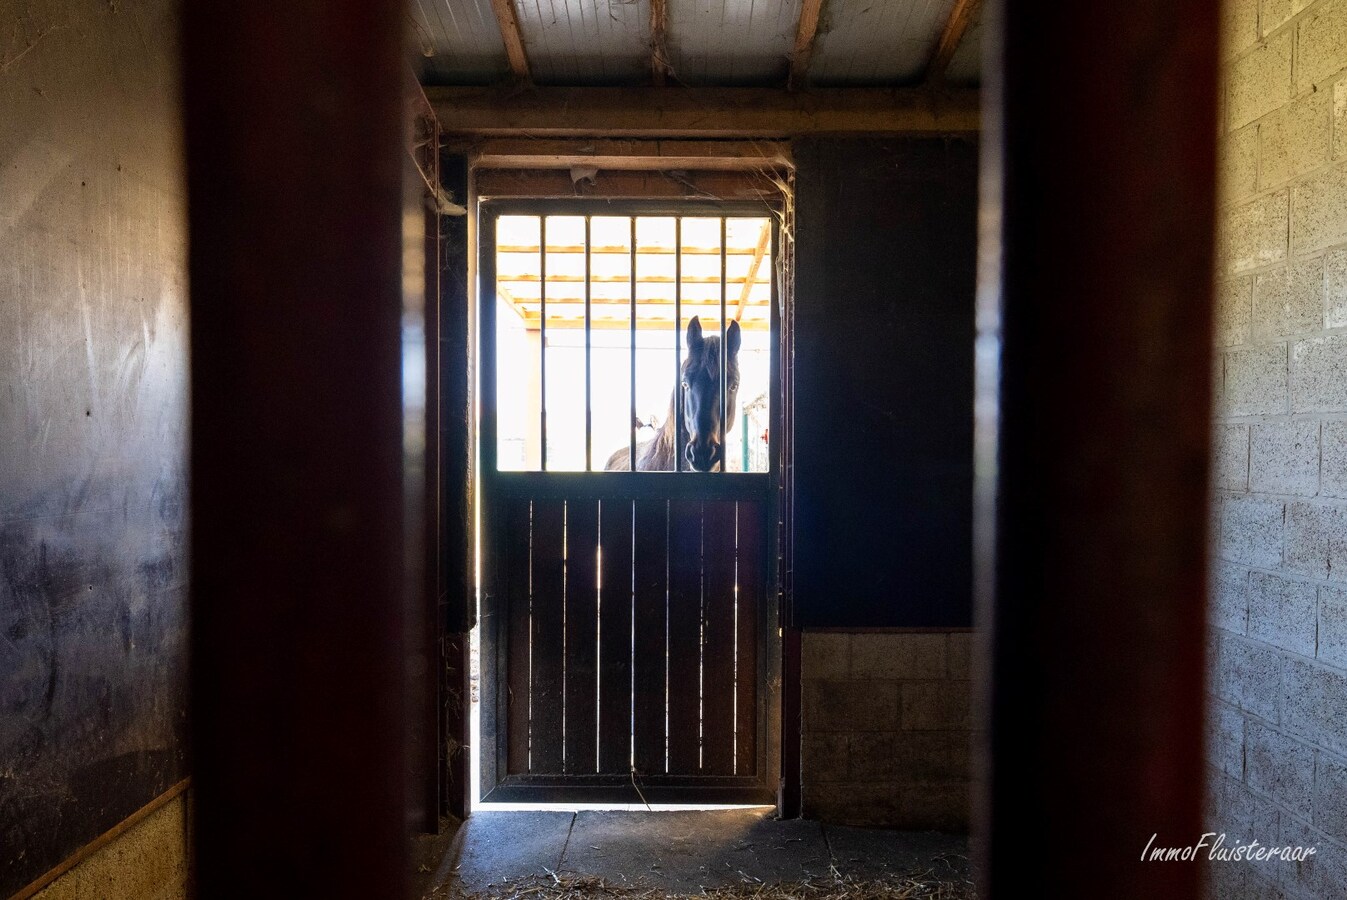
(542, 342)
(678, 345)
(724, 361)
(487, 375)
(631, 425)
(780, 333)
(589, 410)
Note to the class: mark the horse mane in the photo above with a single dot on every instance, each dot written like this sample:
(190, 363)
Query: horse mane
(655, 454)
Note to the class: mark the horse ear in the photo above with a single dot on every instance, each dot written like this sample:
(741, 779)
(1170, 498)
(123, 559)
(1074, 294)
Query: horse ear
(733, 338)
(695, 333)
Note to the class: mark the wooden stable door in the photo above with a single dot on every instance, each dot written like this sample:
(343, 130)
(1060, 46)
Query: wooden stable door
(628, 616)
(631, 646)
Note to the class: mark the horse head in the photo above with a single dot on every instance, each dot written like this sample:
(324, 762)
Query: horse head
(700, 389)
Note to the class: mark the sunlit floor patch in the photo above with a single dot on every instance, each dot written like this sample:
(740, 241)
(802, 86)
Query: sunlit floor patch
(718, 853)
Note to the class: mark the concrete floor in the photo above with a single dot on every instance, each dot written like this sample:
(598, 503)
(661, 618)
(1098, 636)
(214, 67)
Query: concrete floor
(681, 852)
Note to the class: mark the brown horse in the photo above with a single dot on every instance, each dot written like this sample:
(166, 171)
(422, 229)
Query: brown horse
(702, 438)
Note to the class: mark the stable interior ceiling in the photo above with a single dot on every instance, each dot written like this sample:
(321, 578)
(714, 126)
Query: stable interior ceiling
(749, 43)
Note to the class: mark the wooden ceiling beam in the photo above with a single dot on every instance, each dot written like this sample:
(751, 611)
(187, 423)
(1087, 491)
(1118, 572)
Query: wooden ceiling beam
(552, 278)
(620, 303)
(629, 155)
(635, 112)
(660, 70)
(804, 41)
(654, 324)
(513, 37)
(645, 249)
(960, 17)
(504, 183)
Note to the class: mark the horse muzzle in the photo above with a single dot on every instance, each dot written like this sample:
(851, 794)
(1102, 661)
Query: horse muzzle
(703, 457)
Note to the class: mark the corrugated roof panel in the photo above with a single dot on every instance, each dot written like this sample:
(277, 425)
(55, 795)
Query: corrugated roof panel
(965, 67)
(710, 42)
(585, 42)
(582, 42)
(732, 42)
(463, 40)
(876, 42)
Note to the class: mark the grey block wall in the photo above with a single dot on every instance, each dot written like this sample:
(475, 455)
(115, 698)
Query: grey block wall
(887, 728)
(1277, 679)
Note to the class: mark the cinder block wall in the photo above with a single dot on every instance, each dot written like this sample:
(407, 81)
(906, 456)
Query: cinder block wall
(1277, 744)
(886, 728)
(150, 860)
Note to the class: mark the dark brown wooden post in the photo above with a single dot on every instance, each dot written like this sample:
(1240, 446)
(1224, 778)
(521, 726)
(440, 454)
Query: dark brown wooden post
(1095, 301)
(294, 137)
(458, 601)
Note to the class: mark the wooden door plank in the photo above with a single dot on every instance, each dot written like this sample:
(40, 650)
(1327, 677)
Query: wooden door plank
(718, 623)
(751, 557)
(548, 609)
(650, 571)
(514, 551)
(582, 626)
(615, 645)
(685, 638)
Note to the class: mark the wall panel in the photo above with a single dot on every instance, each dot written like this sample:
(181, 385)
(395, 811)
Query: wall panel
(884, 382)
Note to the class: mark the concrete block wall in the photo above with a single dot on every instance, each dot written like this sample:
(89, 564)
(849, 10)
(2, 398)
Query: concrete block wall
(150, 860)
(887, 728)
(1277, 676)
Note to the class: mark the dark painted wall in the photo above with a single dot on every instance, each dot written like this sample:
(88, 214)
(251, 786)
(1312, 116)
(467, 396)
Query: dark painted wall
(93, 408)
(883, 379)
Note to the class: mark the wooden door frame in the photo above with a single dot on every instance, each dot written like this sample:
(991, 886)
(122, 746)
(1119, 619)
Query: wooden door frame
(764, 487)
(456, 590)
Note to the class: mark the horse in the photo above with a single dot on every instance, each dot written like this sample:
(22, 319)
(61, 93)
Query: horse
(702, 438)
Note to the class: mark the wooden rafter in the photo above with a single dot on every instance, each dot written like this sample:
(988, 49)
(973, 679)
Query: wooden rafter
(804, 41)
(701, 113)
(764, 239)
(534, 278)
(653, 323)
(575, 306)
(514, 38)
(659, 50)
(568, 312)
(502, 183)
(629, 155)
(960, 17)
(619, 249)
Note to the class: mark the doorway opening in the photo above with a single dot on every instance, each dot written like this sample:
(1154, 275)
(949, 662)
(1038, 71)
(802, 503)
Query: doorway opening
(629, 471)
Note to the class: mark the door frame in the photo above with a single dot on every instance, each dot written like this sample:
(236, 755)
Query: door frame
(767, 488)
